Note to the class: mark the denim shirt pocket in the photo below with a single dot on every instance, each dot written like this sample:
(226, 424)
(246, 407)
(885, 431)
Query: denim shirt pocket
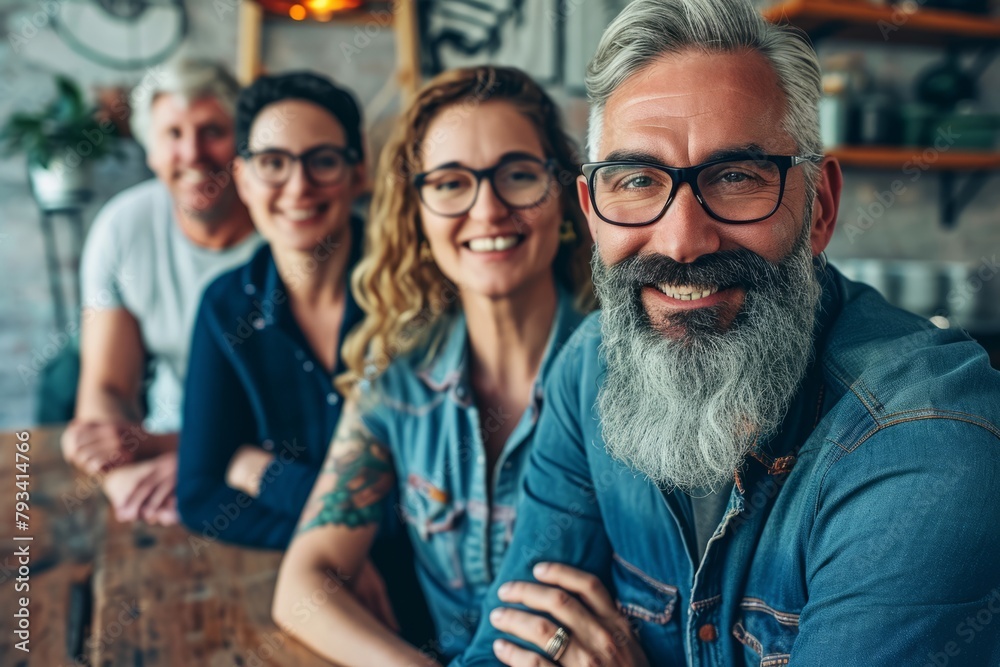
(766, 633)
(647, 603)
(435, 518)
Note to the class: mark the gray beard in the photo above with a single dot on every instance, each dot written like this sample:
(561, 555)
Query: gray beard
(685, 410)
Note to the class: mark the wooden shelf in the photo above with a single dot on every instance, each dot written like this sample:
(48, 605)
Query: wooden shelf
(856, 19)
(899, 157)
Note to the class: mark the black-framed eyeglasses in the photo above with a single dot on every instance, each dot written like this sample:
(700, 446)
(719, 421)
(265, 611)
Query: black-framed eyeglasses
(736, 190)
(519, 182)
(323, 165)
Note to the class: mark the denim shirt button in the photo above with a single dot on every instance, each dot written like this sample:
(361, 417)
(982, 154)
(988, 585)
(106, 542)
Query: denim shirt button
(268, 445)
(708, 633)
(332, 398)
(300, 355)
(460, 392)
(308, 366)
(249, 289)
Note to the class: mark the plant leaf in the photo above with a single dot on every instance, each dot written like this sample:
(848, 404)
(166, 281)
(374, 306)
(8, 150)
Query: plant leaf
(66, 124)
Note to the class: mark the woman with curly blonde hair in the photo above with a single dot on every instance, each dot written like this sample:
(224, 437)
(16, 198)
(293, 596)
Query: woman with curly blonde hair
(476, 271)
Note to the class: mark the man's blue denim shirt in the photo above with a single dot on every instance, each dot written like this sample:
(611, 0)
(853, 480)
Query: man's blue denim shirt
(865, 532)
(423, 409)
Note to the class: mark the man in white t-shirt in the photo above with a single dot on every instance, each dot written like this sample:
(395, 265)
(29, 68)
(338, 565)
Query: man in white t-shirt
(148, 256)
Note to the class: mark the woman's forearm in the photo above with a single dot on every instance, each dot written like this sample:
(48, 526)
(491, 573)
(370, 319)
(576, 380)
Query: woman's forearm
(315, 599)
(319, 609)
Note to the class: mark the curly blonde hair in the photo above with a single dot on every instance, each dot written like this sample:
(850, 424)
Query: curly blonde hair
(404, 297)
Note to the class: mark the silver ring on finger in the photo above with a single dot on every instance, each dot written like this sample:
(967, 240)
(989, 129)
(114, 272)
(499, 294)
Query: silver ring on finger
(558, 644)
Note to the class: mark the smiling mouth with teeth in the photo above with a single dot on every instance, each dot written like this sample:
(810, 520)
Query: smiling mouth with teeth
(687, 292)
(298, 215)
(193, 176)
(493, 243)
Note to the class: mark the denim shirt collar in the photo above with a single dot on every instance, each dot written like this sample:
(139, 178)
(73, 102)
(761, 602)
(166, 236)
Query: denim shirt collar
(449, 370)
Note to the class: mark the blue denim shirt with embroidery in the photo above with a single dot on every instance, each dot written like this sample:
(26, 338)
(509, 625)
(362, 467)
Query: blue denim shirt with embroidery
(459, 518)
(864, 531)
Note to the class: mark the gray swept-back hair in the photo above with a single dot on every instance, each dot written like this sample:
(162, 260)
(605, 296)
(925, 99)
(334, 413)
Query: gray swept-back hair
(188, 79)
(648, 29)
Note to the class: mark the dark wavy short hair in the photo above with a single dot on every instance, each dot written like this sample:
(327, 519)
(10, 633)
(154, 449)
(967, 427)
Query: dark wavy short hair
(307, 86)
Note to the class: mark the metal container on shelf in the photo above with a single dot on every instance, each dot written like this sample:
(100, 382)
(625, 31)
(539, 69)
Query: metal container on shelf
(834, 110)
(877, 121)
(834, 114)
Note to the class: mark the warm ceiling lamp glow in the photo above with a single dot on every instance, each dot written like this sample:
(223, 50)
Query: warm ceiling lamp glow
(330, 6)
(300, 10)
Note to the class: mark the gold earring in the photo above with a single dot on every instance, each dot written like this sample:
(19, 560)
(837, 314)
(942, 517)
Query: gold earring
(567, 233)
(425, 253)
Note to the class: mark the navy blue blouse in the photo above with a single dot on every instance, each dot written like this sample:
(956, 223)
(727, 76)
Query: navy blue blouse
(254, 379)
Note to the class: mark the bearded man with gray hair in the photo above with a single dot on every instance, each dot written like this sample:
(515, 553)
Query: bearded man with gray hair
(745, 458)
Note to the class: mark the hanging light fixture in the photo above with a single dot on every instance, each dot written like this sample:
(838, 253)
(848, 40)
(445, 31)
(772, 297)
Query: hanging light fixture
(300, 10)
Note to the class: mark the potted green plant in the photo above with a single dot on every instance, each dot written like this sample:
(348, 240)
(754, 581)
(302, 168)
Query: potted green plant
(62, 142)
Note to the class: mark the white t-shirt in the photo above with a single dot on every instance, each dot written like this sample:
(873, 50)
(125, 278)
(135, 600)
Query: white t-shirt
(136, 257)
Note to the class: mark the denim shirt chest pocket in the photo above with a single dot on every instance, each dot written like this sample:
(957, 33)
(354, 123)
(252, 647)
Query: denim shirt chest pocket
(767, 634)
(435, 518)
(649, 604)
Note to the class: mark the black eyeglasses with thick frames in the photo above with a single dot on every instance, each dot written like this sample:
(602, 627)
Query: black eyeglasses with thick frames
(324, 165)
(519, 181)
(737, 190)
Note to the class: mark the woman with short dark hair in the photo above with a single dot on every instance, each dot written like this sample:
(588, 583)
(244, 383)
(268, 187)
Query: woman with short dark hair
(260, 404)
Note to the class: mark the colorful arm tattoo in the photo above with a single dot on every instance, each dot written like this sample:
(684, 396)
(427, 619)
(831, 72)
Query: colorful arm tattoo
(357, 475)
